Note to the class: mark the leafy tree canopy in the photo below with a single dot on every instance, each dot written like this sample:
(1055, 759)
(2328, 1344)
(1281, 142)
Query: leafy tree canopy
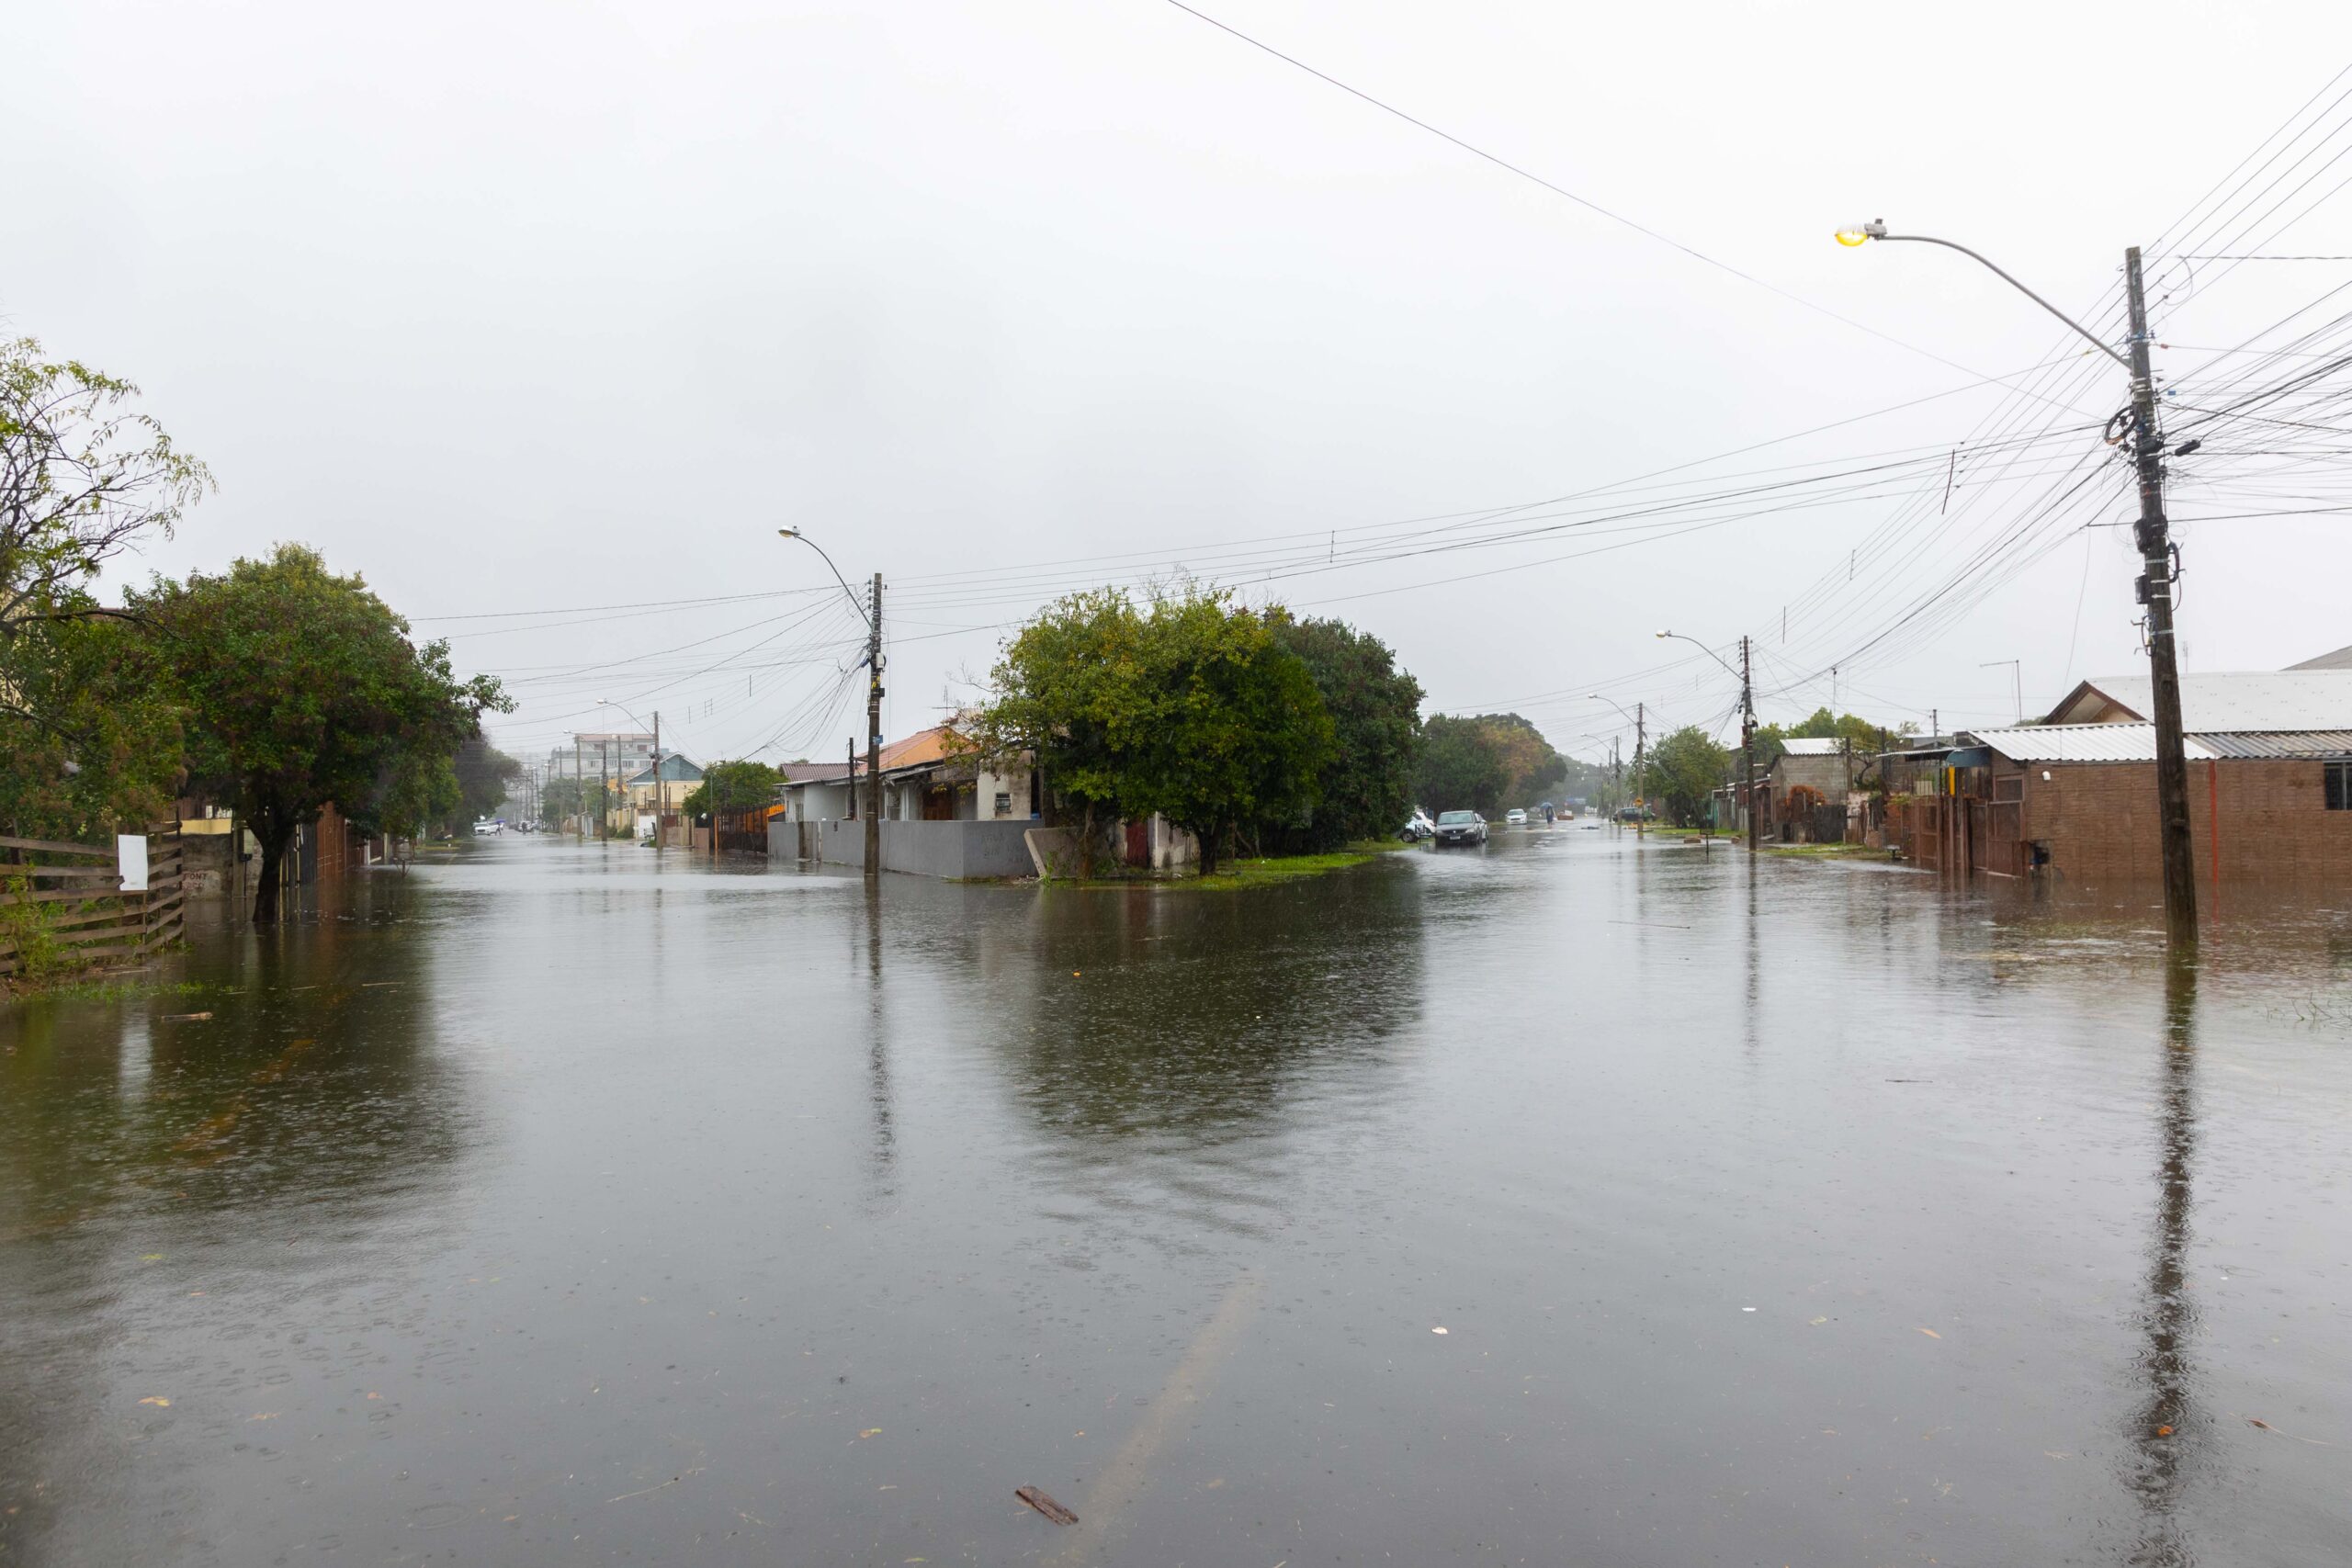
(1366, 787)
(733, 786)
(301, 689)
(1685, 770)
(89, 741)
(1190, 707)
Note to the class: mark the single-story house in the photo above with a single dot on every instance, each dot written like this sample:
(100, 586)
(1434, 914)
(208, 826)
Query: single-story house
(2074, 798)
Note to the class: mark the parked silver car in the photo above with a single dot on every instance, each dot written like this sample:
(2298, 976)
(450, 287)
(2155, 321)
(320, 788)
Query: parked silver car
(1459, 828)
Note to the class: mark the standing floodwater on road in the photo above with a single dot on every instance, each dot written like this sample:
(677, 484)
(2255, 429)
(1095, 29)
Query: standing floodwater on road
(1573, 1200)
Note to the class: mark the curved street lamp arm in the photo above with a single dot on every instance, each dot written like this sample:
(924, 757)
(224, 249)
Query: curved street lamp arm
(1964, 250)
(856, 603)
(1702, 648)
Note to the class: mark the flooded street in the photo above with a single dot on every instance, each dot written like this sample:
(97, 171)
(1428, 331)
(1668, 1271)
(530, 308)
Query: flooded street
(1574, 1200)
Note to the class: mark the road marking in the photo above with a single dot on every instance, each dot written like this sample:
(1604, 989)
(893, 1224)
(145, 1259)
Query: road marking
(1127, 1476)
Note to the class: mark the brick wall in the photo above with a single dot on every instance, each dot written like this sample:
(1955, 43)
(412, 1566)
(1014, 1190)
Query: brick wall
(2099, 821)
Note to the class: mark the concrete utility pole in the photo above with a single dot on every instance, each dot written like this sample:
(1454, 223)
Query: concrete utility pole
(2159, 570)
(873, 734)
(579, 791)
(660, 793)
(2156, 575)
(1748, 738)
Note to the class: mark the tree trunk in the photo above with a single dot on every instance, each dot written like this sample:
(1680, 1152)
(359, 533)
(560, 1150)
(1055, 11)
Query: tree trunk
(1086, 845)
(273, 858)
(1207, 836)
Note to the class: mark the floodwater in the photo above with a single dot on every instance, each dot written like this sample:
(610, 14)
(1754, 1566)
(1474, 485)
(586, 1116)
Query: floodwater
(1573, 1201)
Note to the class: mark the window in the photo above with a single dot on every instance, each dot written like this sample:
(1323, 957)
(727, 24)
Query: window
(2339, 785)
(1004, 803)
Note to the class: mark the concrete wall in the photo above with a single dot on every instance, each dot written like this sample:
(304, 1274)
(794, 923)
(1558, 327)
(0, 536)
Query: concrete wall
(2099, 821)
(920, 849)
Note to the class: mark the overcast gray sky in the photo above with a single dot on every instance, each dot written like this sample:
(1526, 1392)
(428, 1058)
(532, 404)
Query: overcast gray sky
(531, 308)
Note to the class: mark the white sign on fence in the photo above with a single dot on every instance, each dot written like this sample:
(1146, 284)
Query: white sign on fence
(130, 855)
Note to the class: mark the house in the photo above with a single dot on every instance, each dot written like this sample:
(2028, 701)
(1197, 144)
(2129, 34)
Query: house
(2340, 660)
(679, 777)
(2074, 799)
(1804, 791)
(945, 811)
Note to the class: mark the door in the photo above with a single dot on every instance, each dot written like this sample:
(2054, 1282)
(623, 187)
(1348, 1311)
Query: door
(1139, 843)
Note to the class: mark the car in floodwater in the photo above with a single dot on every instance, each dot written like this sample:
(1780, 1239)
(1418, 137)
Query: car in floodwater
(1459, 828)
(1516, 817)
(1420, 827)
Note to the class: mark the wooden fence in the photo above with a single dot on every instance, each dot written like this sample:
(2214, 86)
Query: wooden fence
(75, 893)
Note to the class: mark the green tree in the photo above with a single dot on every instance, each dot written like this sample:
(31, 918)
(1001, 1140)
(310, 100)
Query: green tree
(88, 739)
(1530, 764)
(482, 774)
(1462, 766)
(733, 786)
(1366, 788)
(1069, 690)
(1193, 710)
(559, 798)
(302, 689)
(1684, 770)
(1238, 733)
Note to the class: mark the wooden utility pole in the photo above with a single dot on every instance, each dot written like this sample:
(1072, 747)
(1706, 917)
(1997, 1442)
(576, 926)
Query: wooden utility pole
(873, 734)
(2156, 575)
(1748, 740)
(1641, 793)
(579, 787)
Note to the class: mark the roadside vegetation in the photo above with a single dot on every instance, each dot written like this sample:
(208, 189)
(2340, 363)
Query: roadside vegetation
(1250, 729)
(277, 686)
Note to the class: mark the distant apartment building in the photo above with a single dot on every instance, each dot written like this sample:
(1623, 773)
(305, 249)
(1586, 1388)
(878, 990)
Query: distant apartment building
(602, 754)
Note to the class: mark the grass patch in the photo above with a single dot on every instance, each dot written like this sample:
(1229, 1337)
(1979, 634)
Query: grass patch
(1246, 872)
(1826, 851)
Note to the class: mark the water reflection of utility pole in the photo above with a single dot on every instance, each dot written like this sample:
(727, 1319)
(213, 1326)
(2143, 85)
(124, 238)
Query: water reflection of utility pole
(877, 1059)
(2161, 1434)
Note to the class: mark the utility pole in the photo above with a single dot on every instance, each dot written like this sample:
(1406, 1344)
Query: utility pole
(579, 789)
(661, 793)
(1616, 775)
(1748, 740)
(1641, 794)
(2155, 591)
(874, 736)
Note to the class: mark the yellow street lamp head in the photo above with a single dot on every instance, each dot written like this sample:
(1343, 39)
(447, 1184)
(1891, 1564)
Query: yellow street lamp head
(790, 533)
(1861, 233)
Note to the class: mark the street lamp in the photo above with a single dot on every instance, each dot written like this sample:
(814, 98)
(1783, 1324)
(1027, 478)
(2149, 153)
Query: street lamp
(1640, 720)
(1863, 233)
(873, 620)
(1746, 722)
(2159, 568)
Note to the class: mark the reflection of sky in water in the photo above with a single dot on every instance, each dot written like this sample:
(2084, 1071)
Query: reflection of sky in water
(805, 1227)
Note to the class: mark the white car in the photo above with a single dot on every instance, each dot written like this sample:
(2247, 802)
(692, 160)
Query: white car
(1515, 817)
(486, 826)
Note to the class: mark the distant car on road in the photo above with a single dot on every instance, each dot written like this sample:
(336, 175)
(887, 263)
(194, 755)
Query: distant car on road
(1420, 827)
(1459, 828)
(486, 826)
(1516, 817)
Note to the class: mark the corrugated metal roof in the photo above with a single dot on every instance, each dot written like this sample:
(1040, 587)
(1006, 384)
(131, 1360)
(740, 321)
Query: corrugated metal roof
(2082, 743)
(2340, 660)
(2235, 701)
(1813, 746)
(2288, 744)
(2137, 743)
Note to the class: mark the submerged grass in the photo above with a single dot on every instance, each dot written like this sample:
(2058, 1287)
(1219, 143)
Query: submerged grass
(1248, 872)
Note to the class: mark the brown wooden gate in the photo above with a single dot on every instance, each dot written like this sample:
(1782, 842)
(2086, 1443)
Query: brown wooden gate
(66, 901)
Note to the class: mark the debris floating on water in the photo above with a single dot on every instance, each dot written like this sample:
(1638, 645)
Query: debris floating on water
(1038, 1499)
